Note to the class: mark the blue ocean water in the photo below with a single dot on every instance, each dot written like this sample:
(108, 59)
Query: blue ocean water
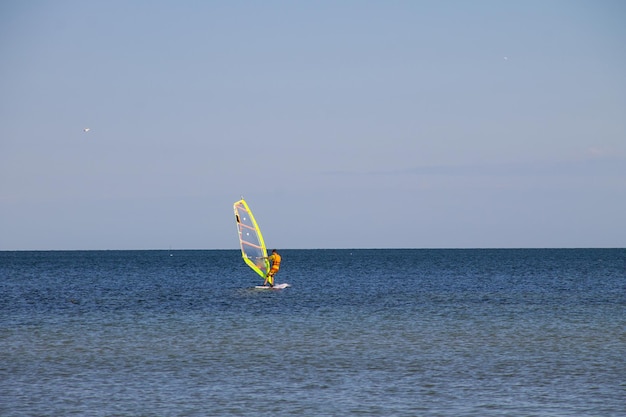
(360, 332)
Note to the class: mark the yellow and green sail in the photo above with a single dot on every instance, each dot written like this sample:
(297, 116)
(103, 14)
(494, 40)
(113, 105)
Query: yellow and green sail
(253, 248)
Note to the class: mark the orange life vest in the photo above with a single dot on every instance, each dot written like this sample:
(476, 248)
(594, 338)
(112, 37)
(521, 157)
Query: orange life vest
(275, 258)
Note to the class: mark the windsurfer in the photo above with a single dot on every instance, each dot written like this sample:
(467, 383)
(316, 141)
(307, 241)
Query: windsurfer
(274, 258)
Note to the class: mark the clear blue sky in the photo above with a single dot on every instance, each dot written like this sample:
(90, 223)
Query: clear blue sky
(345, 124)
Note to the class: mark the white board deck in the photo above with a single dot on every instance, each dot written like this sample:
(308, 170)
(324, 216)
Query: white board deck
(275, 287)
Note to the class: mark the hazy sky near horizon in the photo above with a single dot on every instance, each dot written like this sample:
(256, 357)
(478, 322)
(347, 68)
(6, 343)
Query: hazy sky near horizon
(344, 124)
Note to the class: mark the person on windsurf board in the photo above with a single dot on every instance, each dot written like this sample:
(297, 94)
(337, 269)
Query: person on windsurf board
(275, 259)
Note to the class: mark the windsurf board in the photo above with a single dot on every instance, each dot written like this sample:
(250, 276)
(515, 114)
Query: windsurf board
(275, 287)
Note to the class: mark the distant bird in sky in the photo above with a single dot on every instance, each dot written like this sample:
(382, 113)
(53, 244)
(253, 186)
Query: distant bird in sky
(86, 129)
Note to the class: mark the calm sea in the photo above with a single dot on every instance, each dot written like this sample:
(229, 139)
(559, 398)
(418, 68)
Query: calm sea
(359, 333)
